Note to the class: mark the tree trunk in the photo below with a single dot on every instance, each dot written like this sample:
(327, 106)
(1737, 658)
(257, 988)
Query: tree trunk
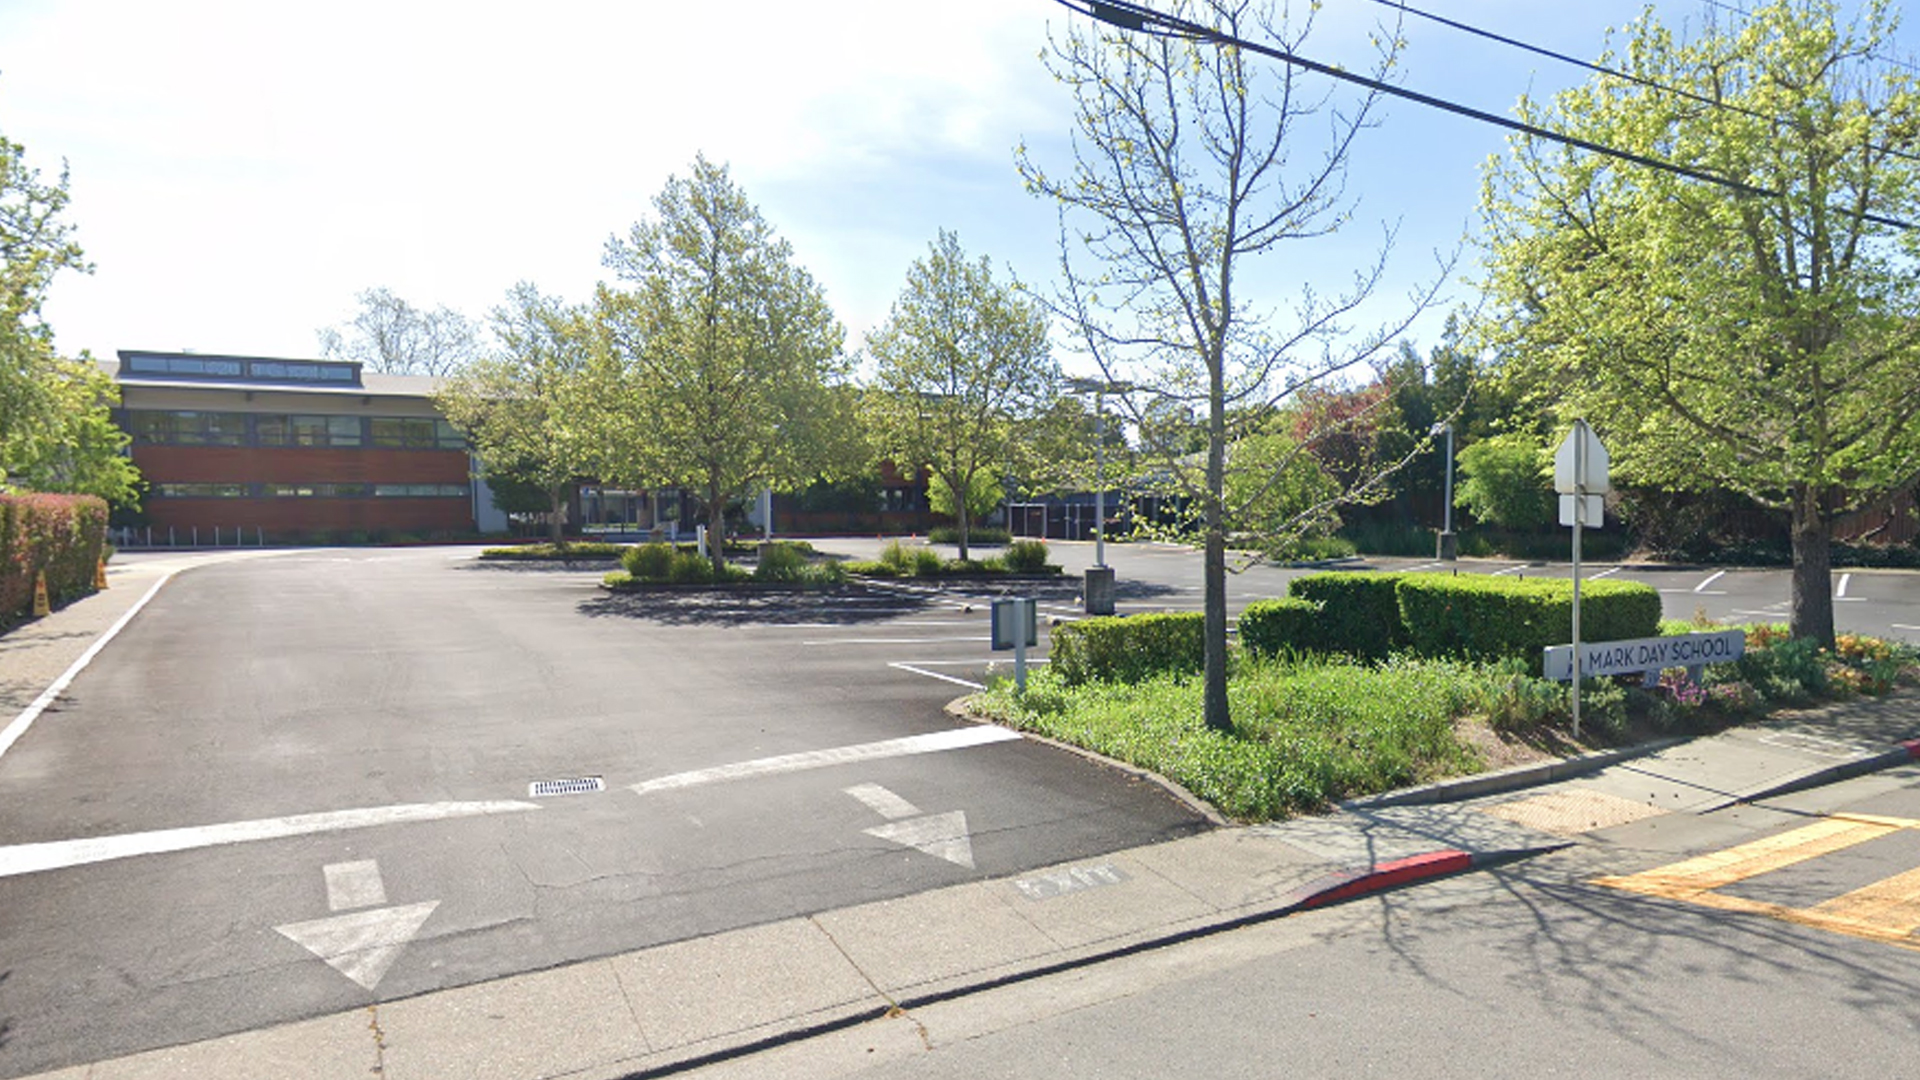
(556, 533)
(1218, 716)
(960, 516)
(717, 530)
(1812, 566)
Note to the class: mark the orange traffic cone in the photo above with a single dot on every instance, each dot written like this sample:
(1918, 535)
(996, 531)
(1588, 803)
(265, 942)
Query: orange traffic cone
(40, 605)
(100, 575)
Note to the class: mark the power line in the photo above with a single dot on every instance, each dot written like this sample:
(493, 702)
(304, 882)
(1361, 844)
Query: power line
(1133, 16)
(1625, 76)
(1745, 14)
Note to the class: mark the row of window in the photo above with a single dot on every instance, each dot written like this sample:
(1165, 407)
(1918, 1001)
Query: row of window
(179, 427)
(276, 490)
(228, 367)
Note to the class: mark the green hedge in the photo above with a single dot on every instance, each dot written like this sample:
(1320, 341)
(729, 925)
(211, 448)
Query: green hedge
(1360, 612)
(63, 535)
(1269, 627)
(1128, 648)
(1480, 617)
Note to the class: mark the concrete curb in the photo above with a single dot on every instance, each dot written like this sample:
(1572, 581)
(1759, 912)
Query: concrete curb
(1905, 753)
(1520, 776)
(1335, 888)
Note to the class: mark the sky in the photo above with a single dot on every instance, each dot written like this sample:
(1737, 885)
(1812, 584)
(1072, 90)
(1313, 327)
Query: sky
(239, 171)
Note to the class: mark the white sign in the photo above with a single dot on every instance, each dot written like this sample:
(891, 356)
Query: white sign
(1588, 473)
(1595, 510)
(1599, 658)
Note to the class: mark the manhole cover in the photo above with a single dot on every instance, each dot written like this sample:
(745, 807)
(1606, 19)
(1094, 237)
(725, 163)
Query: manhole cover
(581, 785)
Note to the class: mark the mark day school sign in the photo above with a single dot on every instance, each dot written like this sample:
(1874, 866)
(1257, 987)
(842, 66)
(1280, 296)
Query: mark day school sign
(1650, 655)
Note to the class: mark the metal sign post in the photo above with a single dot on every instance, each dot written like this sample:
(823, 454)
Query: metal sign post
(1580, 476)
(1016, 625)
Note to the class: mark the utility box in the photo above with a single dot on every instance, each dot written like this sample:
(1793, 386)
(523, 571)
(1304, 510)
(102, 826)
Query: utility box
(1099, 590)
(1016, 624)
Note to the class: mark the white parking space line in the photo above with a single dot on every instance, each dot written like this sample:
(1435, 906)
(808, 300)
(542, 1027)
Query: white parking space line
(1606, 573)
(1715, 576)
(1424, 566)
(970, 684)
(1508, 570)
(60, 854)
(956, 739)
(28, 715)
(1840, 590)
(895, 641)
(1903, 626)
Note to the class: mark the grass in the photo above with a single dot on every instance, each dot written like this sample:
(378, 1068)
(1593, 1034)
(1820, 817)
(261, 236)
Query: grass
(1306, 733)
(1309, 732)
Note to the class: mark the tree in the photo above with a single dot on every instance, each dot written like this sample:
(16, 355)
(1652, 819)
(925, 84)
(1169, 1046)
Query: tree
(1762, 334)
(1195, 160)
(729, 353)
(962, 359)
(392, 336)
(1507, 480)
(56, 426)
(527, 409)
(987, 492)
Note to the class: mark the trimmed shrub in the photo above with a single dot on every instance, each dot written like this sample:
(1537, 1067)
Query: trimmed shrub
(1360, 611)
(1026, 557)
(779, 562)
(689, 569)
(986, 536)
(63, 536)
(1481, 617)
(648, 562)
(1269, 627)
(1129, 648)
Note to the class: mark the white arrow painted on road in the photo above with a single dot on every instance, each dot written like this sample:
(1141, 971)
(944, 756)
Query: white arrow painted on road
(944, 836)
(362, 945)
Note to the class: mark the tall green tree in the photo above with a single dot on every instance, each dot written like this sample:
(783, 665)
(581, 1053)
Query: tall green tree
(1761, 335)
(731, 357)
(528, 408)
(963, 361)
(56, 427)
(1195, 162)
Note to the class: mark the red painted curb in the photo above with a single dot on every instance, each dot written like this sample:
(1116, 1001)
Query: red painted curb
(1912, 747)
(1386, 875)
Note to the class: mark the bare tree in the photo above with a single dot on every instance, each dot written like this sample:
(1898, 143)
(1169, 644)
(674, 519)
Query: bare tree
(1196, 162)
(392, 336)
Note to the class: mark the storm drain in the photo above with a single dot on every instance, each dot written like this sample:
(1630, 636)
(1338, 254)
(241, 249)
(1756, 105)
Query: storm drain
(580, 785)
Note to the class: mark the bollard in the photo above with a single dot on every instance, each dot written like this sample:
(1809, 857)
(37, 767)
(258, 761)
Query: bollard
(41, 607)
(100, 575)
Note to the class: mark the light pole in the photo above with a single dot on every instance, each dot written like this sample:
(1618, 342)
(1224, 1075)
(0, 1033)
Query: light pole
(1099, 580)
(1449, 543)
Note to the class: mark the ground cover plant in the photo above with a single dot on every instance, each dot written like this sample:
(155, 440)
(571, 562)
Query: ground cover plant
(898, 560)
(1313, 728)
(783, 562)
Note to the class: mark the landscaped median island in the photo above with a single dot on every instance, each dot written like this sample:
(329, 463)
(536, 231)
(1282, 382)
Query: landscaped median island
(1359, 683)
(779, 562)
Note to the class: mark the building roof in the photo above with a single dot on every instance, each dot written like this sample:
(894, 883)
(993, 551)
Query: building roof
(203, 371)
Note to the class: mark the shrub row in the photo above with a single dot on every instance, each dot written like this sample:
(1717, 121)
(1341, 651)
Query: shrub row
(901, 560)
(1468, 616)
(1369, 617)
(1128, 649)
(61, 535)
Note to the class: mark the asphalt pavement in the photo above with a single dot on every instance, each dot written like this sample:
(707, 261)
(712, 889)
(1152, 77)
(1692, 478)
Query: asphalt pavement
(896, 975)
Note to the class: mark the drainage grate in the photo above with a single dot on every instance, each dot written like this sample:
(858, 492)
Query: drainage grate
(582, 785)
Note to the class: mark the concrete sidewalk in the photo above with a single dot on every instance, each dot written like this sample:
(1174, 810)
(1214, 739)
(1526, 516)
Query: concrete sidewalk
(670, 1007)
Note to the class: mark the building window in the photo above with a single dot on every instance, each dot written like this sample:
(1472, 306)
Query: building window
(179, 428)
(291, 371)
(316, 491)
(205, 367)
(416, 433)
(421, 491)
(201, 491)
(309, 431)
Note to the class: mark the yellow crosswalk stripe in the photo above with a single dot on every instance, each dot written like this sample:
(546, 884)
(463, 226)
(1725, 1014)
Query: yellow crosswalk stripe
(1887, 910)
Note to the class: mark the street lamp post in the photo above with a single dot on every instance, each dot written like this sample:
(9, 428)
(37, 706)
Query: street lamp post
(1449, 543)
(1098, 593)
